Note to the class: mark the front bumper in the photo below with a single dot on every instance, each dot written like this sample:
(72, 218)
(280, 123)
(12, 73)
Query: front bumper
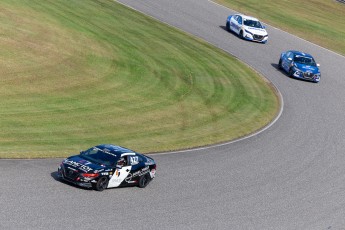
(72, 178)
(306, 76)
(255, 37)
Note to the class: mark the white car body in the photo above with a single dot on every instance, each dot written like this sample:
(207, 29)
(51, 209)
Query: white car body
(247, 27)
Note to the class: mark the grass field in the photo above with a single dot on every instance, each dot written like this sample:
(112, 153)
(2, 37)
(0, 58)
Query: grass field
(80, 73)
(319, 21)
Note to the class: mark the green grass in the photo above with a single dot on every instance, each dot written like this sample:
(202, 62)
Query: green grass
(79, 73)
(319, 21)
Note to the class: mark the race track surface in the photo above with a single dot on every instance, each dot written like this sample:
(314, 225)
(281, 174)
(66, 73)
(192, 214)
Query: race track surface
(292, 176)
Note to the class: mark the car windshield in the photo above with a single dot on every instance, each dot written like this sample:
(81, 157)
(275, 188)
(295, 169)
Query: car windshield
(252, 23)
(99, 156)
(304, 60)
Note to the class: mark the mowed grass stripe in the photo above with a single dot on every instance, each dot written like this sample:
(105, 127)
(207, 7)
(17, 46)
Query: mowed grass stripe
(79, 73)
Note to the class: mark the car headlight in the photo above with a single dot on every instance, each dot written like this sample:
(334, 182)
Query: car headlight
(297, 70)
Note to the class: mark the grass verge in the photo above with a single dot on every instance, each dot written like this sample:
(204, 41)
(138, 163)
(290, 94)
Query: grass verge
(80, 73)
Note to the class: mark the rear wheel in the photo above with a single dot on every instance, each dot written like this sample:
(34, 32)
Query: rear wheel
(280, 64)
(241, 34)
(101, 184)
(144, 181)
(290, 72)
(227, 26)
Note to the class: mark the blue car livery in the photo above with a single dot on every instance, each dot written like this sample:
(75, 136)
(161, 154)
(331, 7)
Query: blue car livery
(247, 27)
(300, 65)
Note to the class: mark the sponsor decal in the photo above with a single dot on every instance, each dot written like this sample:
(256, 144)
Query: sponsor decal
(118, 180)
(84, 162)
(78, 165)
(136, 174)
(107, 151)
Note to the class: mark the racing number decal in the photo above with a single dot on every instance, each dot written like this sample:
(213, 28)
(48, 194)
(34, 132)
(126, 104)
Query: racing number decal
(134, 160)
(119, 175)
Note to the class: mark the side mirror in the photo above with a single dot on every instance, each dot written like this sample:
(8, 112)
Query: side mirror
(263, 27)
(290, 59)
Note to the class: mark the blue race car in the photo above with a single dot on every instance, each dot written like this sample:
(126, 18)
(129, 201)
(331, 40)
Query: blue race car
(300, 65)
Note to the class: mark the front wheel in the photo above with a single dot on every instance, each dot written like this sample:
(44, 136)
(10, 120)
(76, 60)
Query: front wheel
(101, 184)
(290, 72)
(144, 181)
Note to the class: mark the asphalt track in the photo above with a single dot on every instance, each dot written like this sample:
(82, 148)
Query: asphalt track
(291, 176)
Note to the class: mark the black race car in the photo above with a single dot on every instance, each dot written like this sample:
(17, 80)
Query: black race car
(108, 166)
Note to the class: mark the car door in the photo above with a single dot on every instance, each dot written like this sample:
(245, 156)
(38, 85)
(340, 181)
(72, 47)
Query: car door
(239, 24)
(120, 174)
(233, 23)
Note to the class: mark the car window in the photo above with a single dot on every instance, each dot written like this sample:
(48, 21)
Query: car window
(239, 20)
(99, 156)
(304, 60)
(252, 23)
(290, 55)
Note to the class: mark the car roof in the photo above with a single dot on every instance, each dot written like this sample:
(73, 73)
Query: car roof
(248, 17)
(300, 53)
(114, 149)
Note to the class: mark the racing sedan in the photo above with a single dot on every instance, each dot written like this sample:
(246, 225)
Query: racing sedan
(247, 27)
(108, 166)
(300, 65)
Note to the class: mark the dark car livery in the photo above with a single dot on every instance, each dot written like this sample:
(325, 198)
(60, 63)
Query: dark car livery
(299, 65)
(108, 166)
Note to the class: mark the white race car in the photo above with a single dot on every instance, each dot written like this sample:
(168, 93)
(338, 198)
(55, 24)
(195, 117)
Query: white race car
(247, 27)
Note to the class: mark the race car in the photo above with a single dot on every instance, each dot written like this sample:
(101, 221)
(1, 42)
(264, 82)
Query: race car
(300, 65)
(247, 27)
(108, 166)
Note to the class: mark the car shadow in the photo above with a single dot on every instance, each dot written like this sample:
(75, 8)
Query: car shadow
(226, 29)
(55, 176)
(275, 65)
(236, 35)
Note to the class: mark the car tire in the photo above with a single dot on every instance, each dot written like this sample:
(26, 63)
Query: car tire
(144, 180)
(241, 34)
(101, 184)
(280, 64)
(227, 26)
(290, 72)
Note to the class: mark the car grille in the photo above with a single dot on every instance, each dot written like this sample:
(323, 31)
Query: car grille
(258, 37)
(71, 174)
(308, 75)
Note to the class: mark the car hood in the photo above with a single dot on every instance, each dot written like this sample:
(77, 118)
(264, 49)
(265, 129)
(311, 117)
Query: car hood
(258, 31)
(76, 162)
(307, 68)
